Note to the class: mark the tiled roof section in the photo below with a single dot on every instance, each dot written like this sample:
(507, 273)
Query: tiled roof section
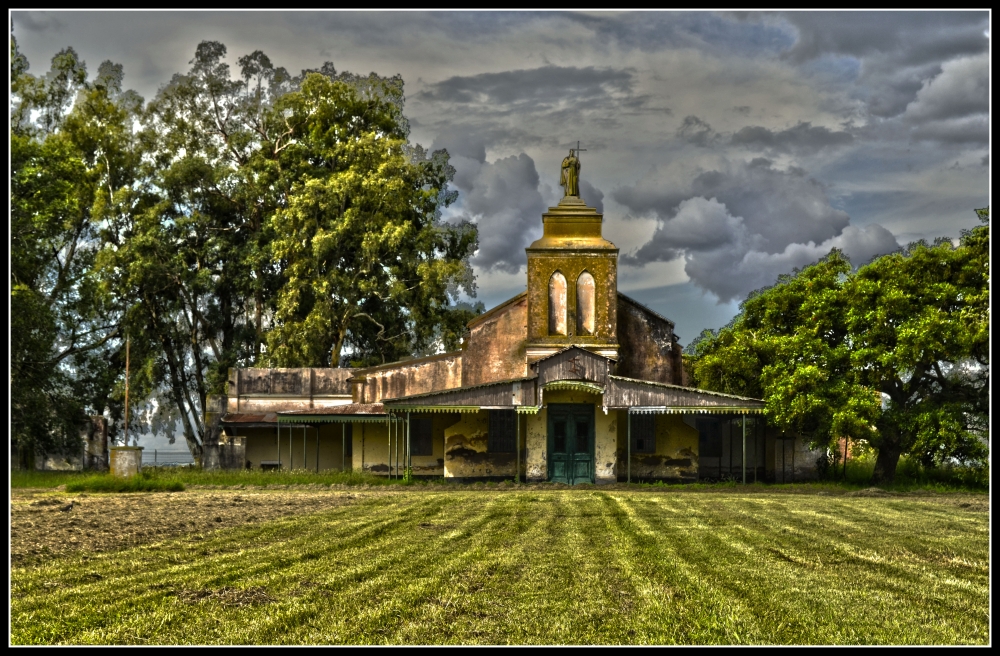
(248, 418)
(348, 409)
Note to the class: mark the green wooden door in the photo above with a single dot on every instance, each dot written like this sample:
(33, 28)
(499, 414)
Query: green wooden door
(571, 443)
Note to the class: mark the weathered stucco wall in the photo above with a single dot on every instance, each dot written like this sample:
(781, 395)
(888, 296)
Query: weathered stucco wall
(535, 445)
(371, 449)
(261, 444)
(602, 266)
(409, 377)
(126, 461)
(676, 454)
(465, 454)
(494, 349)
(372, 452)
(267, 390)
(648, 350)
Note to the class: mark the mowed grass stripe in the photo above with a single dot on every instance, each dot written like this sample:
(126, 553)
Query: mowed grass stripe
(575, 566)
(813, 601)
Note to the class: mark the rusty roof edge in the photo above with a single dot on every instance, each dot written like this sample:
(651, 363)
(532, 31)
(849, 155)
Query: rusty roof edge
(686, 389)
(332, 410)
(653, 312)
(489, 313)
(509, 381)
(572, 346)
(360, 371)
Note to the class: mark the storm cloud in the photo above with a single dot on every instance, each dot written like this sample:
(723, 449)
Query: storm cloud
(731, 146)
(741, 227)
(503, 199)
(544, 86)
(803, 138)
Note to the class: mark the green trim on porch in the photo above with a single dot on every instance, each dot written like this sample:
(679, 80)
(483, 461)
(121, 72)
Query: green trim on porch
(432, 408)
(574, 386)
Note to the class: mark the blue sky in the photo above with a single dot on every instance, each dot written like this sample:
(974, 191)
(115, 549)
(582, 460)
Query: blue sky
(724, 148)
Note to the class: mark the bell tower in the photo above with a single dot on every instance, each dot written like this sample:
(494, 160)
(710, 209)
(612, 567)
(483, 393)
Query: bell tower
(572, 278)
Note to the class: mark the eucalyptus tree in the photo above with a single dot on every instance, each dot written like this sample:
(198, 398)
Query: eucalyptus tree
(72, 158)
(365, 259)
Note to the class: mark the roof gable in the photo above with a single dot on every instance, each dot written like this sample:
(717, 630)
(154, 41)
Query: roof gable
(573, 363)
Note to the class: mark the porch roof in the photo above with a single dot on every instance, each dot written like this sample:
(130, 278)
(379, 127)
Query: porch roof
(619, 393)
(347, 413)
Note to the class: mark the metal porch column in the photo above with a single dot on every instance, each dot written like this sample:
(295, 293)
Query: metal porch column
(628, 448)
(744, 448)
(408, 458)
(517, 446)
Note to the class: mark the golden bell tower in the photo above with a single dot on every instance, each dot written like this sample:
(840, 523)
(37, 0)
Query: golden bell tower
(572, 278)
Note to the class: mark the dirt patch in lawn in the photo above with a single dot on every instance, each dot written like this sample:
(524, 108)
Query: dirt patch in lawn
(45, 525)
(228, 597)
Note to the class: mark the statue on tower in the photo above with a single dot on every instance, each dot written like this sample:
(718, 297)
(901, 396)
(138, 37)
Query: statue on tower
(569, 179)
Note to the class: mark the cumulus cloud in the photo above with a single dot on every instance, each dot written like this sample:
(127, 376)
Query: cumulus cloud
(961, 89)
(804, 138)
(735, 269)
(739, 228)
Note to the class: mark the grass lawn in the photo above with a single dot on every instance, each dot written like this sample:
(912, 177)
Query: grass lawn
(425, 565)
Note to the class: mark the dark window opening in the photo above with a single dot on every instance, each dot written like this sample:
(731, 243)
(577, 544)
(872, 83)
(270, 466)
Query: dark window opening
(644, 433)
(710, 431)
(502, 435)
(559, 438)
(421, 442)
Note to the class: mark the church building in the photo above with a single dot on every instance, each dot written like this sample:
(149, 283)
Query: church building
(569, 381)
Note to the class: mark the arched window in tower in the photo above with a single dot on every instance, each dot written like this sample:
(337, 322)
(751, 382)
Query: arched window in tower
(585, 304)
(557, 304)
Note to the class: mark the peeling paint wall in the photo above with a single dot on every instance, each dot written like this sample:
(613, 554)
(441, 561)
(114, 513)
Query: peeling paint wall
(465, 450)
(494, 349)
(535, 447)
(676, 454)
(410, 377)
(267, 390)
(648, 350)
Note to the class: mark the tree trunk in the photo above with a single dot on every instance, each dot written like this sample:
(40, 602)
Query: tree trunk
(885, 464)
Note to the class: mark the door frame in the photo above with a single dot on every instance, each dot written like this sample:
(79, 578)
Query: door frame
(588, 409)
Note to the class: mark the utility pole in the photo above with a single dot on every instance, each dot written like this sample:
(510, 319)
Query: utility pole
(127, 363)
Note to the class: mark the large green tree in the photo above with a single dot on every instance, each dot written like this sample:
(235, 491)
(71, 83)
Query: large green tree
(895, 353)
(365, 259)
(233, 221)
(68, 137)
